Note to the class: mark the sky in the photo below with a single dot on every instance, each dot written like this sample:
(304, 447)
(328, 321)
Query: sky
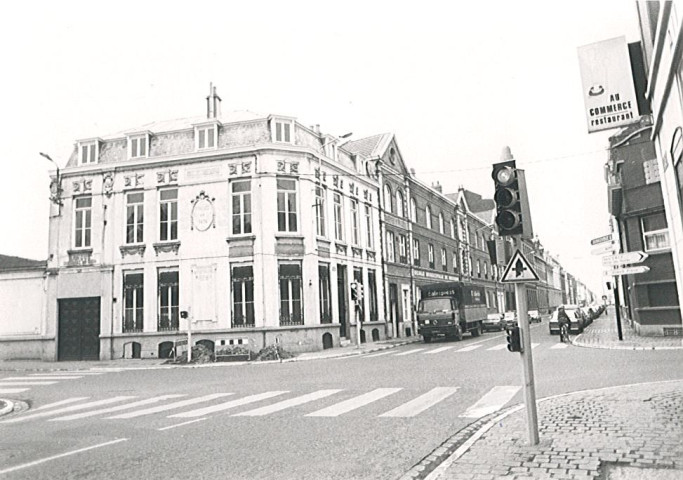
(456, 82)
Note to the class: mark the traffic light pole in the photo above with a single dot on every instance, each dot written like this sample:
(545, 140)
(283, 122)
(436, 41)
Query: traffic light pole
(527, 362)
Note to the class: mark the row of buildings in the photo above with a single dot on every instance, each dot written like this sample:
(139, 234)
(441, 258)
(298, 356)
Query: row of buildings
(256, 226)
(644, 174)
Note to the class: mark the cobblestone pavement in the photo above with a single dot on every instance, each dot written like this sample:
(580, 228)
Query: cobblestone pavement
(628, 430)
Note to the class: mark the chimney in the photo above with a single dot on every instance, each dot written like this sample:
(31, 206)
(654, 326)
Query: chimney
(412, 172)
(213, 103)
(437, 186)
(317, 128)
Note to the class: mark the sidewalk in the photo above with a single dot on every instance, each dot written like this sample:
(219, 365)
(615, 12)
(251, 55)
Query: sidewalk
(626, 433)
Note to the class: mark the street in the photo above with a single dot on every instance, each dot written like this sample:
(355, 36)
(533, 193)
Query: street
(372, 416)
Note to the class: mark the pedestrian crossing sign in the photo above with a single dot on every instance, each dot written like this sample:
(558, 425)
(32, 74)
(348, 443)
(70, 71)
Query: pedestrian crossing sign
(519, 270)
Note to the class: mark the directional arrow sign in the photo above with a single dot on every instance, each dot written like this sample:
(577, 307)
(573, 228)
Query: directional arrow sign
(624, 258)
(629, 270)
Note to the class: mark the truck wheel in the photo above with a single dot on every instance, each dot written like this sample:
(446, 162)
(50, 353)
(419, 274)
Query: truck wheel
(477, 331)
(458, 333)
(428, 339)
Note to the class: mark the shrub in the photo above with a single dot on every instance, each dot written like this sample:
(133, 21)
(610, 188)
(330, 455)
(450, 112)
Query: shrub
(273, 352)
(200, 354)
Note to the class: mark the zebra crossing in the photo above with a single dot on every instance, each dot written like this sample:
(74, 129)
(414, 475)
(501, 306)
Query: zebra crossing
(455, 349)
(21, 384)
(390, 402)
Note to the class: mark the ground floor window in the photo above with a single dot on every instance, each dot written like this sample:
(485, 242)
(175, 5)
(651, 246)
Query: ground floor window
(291, 311)
(372, 295)
(325, 293)
(169, 286)
(242, 296)
(133, 302)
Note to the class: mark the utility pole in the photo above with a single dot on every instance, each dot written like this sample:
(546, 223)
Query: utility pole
(527, 363)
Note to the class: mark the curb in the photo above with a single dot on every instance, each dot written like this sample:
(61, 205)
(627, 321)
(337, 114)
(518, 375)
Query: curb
(9, 406)
(604, 346)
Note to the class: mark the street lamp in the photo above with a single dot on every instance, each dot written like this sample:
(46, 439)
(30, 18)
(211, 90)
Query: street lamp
(56, 184)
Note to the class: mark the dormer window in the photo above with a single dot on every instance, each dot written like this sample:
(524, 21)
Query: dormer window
(206, 136)
(282, 130)
(138, 145)
(88, 151)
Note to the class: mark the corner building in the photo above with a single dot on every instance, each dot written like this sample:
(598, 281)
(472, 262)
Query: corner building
(253, 224)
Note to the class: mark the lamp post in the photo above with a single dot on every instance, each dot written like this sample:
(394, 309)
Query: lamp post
(56, 185)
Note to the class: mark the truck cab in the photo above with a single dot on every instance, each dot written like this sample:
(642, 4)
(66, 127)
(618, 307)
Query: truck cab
(443, 312)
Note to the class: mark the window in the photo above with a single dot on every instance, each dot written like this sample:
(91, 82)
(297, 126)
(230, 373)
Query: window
(325, 293)
(372, 296)
(391, 257)
(444, 260)
(242, 296)
(388, 199)
(416, 252)
(133, 302)
(168, 214)
(88, 152)
(355, 222)
(369, 230)
(428, 214)
(413, 210)
(486, 270)
(169, 284)
(83, 223)
(441, 225)
(135, 217)
(399, 204)
(282, 131)
(453, 233)
(338, 218)
(241, 206)
(286, 205)
(320, 206)
(206, 137)
(479, 268)
(455, 262)
(138, 146)
(291, 311)
(402, 249)
(655, 233)
(431, 256)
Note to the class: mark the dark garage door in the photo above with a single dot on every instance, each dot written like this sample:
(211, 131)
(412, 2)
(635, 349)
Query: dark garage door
(79, 328)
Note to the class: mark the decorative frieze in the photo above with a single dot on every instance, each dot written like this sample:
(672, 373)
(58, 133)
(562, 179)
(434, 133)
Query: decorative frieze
(131, 250)
(134, 181)
(287, 167)
(108, 183)
(340, 248)
(82, 186)
(80, 257)
(357, 252)
(167, 176)
(166, 247)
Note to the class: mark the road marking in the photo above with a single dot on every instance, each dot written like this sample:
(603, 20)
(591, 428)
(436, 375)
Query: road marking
(61, 455)
(469, 348)
(41, 377)
(498, 347)
(354, 403)
(13, 390)
(378, 354)
(170, 406)
(292, 402)
(50, 374)
(492, 401)
(409, 352)
(181, 424)
(59, 403)
(534, 345)
(23, 384)
(227, 405)
(437, 350)
(421, 403)
(72, 408)
(559, 345)
(117, 408)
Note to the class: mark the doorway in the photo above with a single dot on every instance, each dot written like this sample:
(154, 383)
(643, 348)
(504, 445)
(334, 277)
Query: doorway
(393, 309)
(79, 329)
(342, 301)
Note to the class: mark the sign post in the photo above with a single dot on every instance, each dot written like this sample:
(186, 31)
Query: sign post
(519, 271)
(617, 262)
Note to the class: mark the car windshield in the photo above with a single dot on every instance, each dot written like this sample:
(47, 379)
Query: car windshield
(435, 304)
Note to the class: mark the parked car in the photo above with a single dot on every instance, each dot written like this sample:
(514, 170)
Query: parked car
(510, 319)
(534, 316)
(577, 320)
(494, 321)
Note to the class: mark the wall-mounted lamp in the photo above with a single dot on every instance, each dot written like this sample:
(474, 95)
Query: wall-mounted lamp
(56, 184)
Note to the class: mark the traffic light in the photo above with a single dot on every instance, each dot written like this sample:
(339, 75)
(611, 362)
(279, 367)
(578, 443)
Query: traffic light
(356, 291)
(507, 198)
(514, 339)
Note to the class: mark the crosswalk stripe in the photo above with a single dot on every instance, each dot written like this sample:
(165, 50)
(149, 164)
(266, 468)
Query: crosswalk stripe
(24, 383)
(378, 354)
(59, 403)
(559, 345)
(409, 352)
(498, 347)
(437, 350)
(170, 406)
(292, 402)
(117, 408)
(491, 402)
(51, 374)
(13, 390)
(354, 403)
(72, 408)
(37, 378)
(469, 349)
(421, 403)
(228, 405)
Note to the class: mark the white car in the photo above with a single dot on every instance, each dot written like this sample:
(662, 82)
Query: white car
(494, 321)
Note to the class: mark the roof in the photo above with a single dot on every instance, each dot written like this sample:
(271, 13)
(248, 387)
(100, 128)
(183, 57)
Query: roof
(477, 203)
(14, 263)
(368, 146)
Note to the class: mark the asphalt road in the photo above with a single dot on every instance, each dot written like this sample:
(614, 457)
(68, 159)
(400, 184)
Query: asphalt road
(369, 417)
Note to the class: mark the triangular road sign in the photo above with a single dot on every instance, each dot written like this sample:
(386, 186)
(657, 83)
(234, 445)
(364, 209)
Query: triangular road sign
(518, 270)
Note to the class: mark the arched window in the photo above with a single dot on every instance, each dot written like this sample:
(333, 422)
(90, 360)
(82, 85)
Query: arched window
(413, 210)
(387, 198)
(399, 203)
(441, 228)
(428, 214)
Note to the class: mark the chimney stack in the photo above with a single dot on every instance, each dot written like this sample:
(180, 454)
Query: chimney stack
(437, 186)
(213, 103)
